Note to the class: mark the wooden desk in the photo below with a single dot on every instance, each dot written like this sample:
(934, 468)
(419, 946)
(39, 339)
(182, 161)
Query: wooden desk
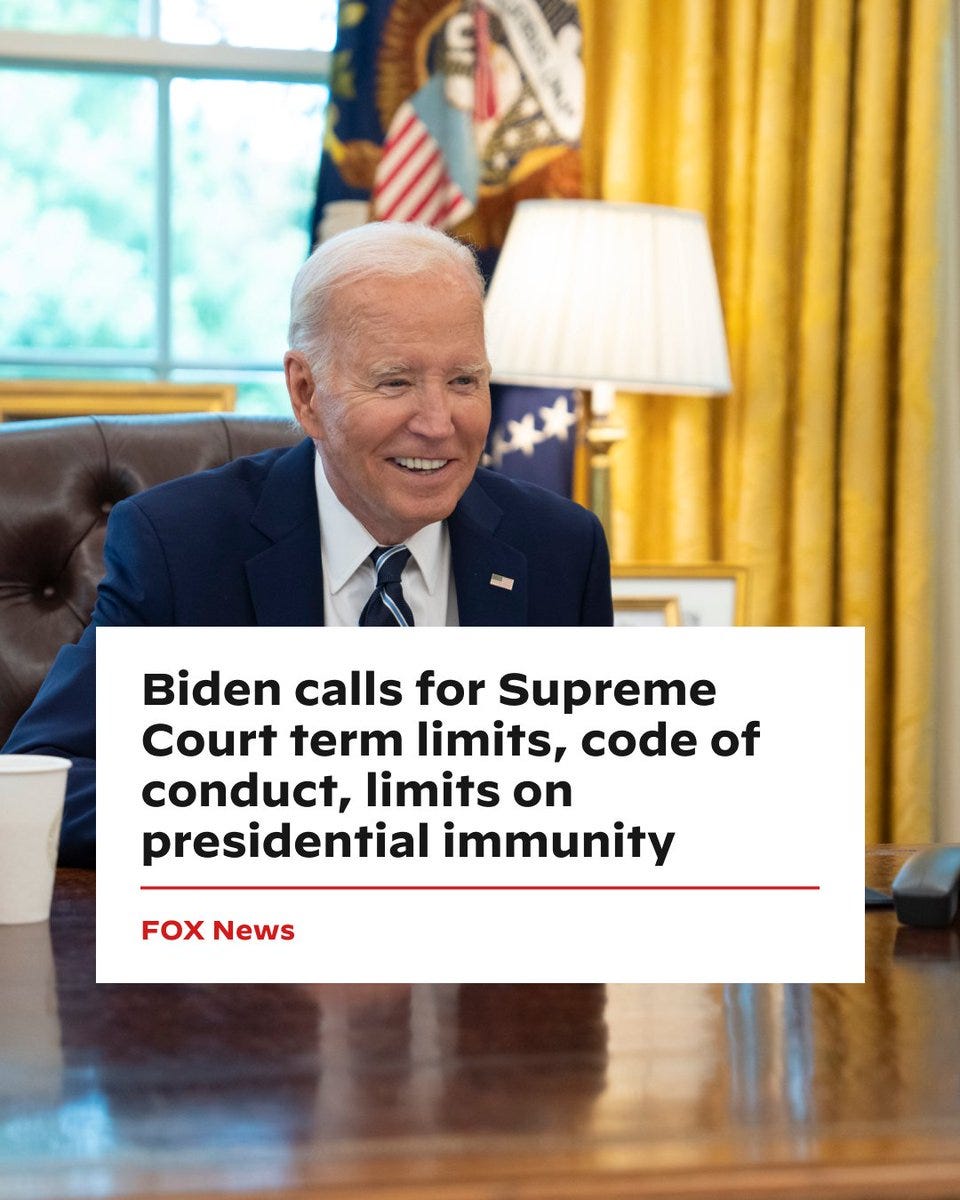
(478, 1093)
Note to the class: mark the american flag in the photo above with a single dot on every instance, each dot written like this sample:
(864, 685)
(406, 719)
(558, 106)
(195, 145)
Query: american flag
(412, 182)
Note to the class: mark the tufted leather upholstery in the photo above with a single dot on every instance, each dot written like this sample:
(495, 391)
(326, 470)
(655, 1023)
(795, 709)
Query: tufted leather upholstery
(58, 481)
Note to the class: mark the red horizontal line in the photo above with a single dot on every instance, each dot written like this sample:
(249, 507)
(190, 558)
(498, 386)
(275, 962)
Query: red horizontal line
(486, 887)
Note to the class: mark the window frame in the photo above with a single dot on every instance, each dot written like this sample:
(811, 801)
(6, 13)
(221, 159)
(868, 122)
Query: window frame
(161, 61)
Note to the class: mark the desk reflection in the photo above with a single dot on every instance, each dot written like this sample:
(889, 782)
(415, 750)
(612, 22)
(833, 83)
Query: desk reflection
(30, 1052)
(468, 1091)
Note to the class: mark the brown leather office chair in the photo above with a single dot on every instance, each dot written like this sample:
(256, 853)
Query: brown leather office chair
(58, 481)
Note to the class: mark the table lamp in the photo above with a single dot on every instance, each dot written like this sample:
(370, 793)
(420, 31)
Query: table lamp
(600, 296)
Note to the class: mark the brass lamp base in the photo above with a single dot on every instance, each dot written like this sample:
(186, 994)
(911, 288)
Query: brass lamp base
(602, 433)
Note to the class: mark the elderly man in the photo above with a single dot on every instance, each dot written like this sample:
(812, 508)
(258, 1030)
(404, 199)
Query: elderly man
(381, 517)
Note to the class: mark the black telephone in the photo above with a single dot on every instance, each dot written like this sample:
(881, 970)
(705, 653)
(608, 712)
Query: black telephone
(926, 888)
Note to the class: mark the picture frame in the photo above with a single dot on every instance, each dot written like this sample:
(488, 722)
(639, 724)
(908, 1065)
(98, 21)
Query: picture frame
(651, 612)
(705, 593)
(33, 399)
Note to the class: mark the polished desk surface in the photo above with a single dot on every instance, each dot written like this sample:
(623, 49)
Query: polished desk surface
(478, 1092)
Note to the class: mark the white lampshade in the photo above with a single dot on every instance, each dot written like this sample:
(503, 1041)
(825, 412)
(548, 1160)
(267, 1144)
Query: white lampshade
(588, 292)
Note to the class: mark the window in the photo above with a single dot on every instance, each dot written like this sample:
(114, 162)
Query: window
(157, 166)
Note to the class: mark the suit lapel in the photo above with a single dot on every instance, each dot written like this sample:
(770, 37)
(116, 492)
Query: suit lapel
(478, 556)
(286, 579)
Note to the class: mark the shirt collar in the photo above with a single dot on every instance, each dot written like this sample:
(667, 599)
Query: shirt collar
(345, 543)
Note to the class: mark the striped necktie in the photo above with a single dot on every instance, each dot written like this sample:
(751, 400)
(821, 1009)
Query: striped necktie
(386, 605)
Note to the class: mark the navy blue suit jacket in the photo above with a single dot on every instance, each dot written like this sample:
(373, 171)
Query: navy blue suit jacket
(240, 545)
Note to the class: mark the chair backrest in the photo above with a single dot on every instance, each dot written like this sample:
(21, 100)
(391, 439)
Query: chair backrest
(58, 481)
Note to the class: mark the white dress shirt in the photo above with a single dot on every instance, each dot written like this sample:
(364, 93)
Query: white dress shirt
(349, 577)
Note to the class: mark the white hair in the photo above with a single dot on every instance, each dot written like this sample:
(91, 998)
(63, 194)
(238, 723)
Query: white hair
(391, 248)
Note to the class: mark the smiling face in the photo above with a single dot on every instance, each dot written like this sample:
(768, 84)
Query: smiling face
(401, 417)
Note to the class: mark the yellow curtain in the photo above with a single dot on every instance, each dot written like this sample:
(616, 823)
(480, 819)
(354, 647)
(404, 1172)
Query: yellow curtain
(807, 132)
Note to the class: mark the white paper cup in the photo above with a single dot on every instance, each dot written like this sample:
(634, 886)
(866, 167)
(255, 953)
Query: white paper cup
(32, 788)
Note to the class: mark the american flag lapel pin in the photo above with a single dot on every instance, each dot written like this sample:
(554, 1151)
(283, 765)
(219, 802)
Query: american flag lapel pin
(501, 581)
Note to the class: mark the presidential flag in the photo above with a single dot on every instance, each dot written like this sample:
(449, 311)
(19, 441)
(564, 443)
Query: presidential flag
(448, 114)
